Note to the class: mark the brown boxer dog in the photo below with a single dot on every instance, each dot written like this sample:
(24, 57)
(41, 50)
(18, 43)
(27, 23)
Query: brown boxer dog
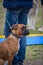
(10, 46)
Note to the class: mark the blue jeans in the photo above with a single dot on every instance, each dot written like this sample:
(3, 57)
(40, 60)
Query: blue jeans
(13, 17)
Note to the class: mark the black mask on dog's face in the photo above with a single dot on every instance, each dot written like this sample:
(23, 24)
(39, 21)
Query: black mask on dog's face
(25, 31)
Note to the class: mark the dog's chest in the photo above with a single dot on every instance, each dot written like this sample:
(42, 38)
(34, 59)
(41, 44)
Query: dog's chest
(18, 46)
(14, 47)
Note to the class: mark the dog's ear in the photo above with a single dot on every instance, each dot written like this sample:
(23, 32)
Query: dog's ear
(14, 26)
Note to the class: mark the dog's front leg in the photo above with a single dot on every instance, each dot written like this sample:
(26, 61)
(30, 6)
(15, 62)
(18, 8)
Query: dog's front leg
(1, 62)
(10, 60)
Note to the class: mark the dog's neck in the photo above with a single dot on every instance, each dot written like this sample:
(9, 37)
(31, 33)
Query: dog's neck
(15, 35)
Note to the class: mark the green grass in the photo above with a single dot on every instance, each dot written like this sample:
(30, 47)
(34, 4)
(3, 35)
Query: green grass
(33, 52)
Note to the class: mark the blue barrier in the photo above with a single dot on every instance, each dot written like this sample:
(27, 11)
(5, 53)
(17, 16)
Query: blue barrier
(2, 39)
(34, 40)
(31, 40)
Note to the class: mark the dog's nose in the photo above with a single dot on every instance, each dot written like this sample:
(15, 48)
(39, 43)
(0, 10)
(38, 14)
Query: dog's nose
(26, 32)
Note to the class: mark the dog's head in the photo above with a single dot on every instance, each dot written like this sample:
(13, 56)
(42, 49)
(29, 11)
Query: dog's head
(20, 29)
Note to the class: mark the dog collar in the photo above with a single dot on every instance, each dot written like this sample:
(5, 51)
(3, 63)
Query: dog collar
(15, 35)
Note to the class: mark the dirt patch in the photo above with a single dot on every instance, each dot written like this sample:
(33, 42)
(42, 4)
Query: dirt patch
(33, 62)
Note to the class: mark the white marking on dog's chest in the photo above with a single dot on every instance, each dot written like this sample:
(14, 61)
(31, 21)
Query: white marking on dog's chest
(18, 46)
(5, 62)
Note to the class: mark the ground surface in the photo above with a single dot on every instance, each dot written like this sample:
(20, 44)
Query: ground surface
(34, 55)
(34, 62)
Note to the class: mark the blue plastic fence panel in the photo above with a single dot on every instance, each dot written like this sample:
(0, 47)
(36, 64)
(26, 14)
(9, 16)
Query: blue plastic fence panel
(31, 40)
(34, 40)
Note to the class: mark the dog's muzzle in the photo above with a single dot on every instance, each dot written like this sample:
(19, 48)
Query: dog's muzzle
(26, 32)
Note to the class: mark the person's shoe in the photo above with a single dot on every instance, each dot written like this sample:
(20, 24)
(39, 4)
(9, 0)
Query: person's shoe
(40, 29)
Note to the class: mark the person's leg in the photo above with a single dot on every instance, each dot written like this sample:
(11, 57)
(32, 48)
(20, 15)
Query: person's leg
(22, 20)
(11, 18)
(41, 28)
(22, 50)
(23, 16)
